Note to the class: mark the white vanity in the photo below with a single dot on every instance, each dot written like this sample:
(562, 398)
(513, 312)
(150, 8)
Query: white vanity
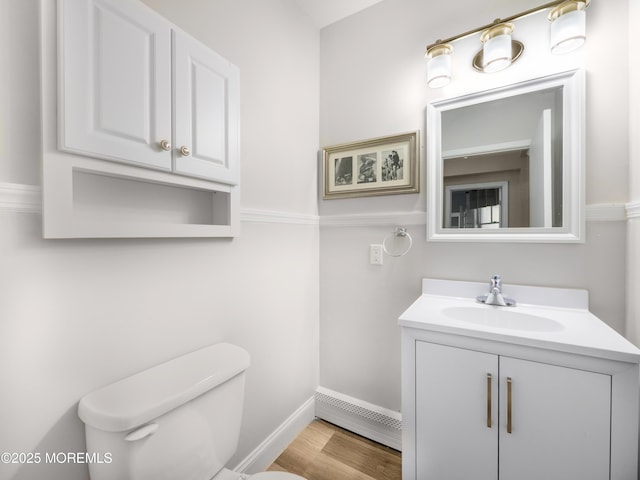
(542, 390)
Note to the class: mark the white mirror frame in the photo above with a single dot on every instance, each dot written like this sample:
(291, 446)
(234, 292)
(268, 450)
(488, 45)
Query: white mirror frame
(573, 159)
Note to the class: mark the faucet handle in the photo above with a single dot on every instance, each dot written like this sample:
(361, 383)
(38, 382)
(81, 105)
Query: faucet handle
(494, 297)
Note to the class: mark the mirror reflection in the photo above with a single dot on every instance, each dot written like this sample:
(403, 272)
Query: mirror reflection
(502, 164)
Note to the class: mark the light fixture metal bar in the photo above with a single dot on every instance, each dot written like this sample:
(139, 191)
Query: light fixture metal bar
(501, 20)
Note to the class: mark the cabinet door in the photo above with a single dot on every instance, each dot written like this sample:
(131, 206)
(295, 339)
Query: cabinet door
(560, 422)
(115, 81)
(455, 404)
(207, 110)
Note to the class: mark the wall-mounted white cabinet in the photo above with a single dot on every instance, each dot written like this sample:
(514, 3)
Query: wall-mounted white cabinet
(133, 98)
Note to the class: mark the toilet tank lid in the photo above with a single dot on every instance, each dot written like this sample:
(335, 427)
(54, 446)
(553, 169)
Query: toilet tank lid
(137, 399)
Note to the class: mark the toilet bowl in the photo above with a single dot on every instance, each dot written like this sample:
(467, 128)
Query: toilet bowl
(179, 420)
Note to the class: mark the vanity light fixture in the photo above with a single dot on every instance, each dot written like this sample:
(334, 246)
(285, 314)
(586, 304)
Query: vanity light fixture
(496, 47)
(438, 65)
(498, 51)
(568, 26)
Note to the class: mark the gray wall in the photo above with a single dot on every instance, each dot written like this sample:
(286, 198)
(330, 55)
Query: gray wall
(78, 314)
(633, 235)
(373, 84)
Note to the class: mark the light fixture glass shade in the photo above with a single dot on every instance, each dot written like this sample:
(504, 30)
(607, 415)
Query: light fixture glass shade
(496, 50)
(568, 26)
(438, 65)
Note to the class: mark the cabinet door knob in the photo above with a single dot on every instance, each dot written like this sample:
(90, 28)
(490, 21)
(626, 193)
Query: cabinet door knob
(165, 145)
(185, 151)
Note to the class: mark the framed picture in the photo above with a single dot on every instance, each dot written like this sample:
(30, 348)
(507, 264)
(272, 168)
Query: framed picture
(380, 166)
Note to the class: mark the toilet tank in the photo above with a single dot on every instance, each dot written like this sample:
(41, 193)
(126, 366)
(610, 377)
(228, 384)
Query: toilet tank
(177, 420)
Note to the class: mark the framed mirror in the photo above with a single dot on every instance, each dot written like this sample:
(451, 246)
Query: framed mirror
(507, 165)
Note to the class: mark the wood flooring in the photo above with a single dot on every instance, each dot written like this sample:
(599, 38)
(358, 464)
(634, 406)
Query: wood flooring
(326, 452)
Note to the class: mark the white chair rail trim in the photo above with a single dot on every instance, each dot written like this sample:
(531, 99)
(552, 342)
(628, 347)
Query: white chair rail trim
(610, 212)
(267, 216)
(20, 198)
(373, 219)
(633, 210)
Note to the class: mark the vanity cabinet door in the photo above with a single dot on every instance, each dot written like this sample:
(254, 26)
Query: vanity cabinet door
(489, 417)
(115, 82)
(456, 413)
(560, 425)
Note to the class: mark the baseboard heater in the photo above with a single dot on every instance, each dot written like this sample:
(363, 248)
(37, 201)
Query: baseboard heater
(371, 421)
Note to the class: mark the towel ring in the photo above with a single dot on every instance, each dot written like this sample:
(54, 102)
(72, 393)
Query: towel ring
(398, 232)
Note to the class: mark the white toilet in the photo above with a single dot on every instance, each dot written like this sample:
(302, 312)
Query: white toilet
(177, 421)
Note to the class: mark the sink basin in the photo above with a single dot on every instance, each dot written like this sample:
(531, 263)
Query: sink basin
(502, 318)
(555, 319)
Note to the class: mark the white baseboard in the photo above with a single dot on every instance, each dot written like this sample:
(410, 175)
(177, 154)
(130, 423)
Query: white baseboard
(371, 421)
(376, 423)
(265, 453)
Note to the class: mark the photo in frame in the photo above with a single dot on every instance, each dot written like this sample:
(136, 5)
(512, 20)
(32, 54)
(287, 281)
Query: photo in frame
(379, 166)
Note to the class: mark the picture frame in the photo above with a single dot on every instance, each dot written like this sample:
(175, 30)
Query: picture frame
(378, 166)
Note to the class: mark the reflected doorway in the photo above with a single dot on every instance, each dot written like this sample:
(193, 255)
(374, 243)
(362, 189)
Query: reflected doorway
(480, 205)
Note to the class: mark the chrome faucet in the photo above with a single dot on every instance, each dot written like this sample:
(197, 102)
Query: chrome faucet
(495, 294)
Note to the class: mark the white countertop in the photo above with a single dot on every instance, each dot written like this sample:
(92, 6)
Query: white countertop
(572, 328)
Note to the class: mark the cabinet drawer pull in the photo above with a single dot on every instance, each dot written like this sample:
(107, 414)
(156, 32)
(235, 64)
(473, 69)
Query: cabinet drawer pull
(509, 406)
(489, 379)
(165, 145)
(185, 151)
